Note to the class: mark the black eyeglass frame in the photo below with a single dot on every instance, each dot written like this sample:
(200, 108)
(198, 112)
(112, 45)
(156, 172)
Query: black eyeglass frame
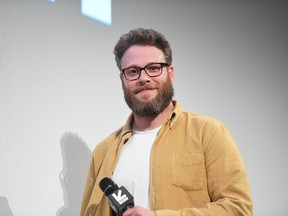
(162, 64)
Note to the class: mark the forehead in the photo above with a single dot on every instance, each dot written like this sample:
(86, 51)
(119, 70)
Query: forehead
(138, 55)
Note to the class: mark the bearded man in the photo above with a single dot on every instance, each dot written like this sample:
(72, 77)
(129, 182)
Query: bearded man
(173, 162)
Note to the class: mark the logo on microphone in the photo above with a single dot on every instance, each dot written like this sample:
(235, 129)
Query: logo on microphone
(119, 197)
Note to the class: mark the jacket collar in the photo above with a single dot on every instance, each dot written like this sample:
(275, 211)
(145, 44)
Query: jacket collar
(127, 128)
(175, 114)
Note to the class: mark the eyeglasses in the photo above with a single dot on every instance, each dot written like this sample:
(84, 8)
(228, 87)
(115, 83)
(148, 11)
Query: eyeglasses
(152, 70)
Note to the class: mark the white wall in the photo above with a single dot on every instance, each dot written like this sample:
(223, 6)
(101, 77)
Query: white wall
(60, 92)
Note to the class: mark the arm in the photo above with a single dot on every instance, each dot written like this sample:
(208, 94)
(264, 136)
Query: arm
(90, 182)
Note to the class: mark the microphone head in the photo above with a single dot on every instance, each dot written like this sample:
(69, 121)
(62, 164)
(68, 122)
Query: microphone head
(107, 186)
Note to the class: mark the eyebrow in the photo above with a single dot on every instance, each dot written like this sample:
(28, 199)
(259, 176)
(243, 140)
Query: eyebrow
(140, 66)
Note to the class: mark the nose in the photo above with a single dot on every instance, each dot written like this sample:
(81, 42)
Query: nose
(143, 76)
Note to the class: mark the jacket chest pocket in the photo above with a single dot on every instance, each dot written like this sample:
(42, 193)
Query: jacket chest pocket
(188, 171)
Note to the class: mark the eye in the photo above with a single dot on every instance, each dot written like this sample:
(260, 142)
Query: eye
(153, 68)
(132, 71)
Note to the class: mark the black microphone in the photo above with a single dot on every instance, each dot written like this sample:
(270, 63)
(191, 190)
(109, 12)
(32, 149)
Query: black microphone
(119, 198)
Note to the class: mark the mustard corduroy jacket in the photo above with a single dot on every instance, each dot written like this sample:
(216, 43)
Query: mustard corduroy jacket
(195, 169)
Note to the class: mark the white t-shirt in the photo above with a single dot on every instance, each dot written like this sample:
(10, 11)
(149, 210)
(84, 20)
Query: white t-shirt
(133, 167)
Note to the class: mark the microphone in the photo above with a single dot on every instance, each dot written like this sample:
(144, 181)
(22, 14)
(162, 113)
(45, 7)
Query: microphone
(119, 198)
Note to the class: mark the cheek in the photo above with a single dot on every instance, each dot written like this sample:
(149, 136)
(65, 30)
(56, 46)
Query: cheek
(123, 85)
(126, 86)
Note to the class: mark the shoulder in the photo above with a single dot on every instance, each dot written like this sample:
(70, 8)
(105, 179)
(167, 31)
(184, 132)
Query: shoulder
(201, 120)
(102, 147)
(192, 118)
(113, 139)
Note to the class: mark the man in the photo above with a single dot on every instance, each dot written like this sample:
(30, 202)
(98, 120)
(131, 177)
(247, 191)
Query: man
(174, 163)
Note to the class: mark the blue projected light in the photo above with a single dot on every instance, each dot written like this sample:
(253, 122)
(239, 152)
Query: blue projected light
(96, 9)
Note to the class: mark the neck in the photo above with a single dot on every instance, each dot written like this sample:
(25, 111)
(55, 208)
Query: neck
(141, 123)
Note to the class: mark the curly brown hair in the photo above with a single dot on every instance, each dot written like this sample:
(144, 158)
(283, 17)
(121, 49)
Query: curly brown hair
(141, 36)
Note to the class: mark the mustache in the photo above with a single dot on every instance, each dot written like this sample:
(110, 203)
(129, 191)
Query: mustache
(145, 87)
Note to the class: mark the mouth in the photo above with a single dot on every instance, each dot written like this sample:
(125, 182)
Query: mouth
(145, 89)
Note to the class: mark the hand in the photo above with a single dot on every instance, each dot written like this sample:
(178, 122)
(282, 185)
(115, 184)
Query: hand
(138, 211)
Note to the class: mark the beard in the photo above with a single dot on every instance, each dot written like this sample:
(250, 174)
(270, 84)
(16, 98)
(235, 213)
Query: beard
(150, 107)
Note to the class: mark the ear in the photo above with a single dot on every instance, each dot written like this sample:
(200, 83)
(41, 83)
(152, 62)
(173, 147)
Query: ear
(121, 77)
(171, 72)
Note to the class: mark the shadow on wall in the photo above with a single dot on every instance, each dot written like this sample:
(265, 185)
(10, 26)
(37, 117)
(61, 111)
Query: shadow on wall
(4, 207)
(76, 159)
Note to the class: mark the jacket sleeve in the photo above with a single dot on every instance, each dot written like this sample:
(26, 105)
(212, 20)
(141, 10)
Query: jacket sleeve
(89, 186)
(227, 181)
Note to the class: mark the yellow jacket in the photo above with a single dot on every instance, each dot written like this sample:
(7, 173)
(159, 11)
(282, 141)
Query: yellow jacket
(195, 169)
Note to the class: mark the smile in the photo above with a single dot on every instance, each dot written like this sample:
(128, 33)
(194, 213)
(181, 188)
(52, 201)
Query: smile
(144, 90)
